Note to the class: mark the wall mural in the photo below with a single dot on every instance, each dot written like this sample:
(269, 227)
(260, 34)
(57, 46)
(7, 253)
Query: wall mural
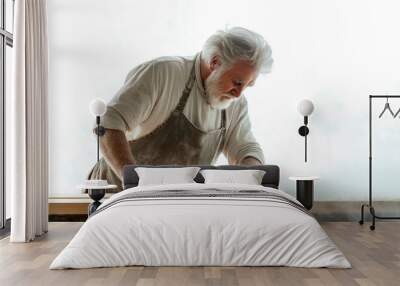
(326, 56)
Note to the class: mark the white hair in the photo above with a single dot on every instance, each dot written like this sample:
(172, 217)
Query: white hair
(239, 44)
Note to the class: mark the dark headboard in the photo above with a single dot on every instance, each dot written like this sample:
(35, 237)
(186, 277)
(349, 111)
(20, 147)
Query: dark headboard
(270, 179)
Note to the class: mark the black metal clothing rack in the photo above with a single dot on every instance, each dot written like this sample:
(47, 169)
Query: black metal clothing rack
(369, 205)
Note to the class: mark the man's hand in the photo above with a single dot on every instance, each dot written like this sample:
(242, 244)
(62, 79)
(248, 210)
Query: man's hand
(249, 161)
(116, 150)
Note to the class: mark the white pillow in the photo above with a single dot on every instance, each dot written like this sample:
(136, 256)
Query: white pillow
(162, 176)
(248, 177)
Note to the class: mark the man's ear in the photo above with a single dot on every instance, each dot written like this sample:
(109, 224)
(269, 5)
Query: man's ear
(215, 62)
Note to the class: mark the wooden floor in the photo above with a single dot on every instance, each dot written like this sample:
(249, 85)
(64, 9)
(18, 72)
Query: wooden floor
(375, 257)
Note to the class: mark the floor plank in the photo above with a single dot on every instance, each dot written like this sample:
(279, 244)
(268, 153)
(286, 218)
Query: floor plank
(375, 257)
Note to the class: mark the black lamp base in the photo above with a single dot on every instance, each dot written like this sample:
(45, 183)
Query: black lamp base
(100, 130)
(304, 131)
(96, 195)
(305, 193)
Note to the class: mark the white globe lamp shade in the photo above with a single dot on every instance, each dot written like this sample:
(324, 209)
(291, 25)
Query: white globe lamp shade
(305, 107)
(97, 107)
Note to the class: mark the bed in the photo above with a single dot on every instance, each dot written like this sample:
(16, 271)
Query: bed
(201, 224)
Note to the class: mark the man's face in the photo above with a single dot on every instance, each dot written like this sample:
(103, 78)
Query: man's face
(224, 86)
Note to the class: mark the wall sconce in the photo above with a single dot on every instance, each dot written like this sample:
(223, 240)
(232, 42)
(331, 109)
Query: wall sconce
(97, 108)
(305, 108)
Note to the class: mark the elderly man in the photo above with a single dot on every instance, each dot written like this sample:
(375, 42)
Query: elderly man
(176, 110)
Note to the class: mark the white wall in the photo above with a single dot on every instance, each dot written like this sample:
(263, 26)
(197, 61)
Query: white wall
(333, 52)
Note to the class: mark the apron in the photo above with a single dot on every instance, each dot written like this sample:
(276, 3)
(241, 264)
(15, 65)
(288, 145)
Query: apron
(175, 142)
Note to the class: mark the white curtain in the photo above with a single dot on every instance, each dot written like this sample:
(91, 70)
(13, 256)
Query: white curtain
(29, 150)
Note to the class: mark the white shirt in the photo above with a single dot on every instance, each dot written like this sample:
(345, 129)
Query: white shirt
(152, 91)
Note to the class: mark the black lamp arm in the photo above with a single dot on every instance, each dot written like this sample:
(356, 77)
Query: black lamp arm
(99, 131)
(303, 131)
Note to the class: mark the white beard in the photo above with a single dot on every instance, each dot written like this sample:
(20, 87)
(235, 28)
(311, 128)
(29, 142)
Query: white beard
(215, 97)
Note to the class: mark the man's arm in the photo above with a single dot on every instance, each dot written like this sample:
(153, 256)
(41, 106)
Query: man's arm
(116, 151)
(250, 161)
(130, 107)
(241, 148)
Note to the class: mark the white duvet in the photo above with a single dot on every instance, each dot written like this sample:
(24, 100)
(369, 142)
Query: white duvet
(183, 231)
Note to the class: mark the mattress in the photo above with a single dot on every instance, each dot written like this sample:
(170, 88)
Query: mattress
(201, 225)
